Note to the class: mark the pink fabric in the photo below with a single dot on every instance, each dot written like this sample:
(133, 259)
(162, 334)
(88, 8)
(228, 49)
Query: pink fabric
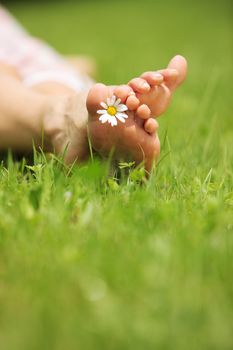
(34, 60)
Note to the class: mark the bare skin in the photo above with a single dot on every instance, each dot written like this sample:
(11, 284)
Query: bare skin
(63, 115)
(146, 97)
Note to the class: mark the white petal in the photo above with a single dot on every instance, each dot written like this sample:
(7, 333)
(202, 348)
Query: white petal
(119, 116)
(118, 101)
(123, 115)
(113, 100)
(113, 121)
(103, 104)
(101, 111)
(122, 108)
(104, 118)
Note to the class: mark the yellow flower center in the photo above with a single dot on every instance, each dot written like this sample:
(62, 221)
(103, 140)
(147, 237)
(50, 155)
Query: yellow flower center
(111, 110)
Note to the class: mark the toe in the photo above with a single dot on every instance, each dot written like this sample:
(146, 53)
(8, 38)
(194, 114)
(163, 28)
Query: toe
(151, 126)
(122, 92)
(178, 63)
(97, 94)
(152, 78)
(132, 102)
(143, 112)
(139, 85)
(162, 100)
(169, 75)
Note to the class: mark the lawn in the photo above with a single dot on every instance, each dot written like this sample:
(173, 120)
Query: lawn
(89, 262)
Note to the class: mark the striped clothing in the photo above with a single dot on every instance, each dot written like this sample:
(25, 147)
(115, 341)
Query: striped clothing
(35, 61)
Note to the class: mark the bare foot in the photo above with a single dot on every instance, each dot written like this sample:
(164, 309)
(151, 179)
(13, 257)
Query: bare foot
(127, 139)
(132, 138)
(158, 96)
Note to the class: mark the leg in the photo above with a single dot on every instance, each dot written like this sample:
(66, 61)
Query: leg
(28, 117)
(65, 118)
(19, 124)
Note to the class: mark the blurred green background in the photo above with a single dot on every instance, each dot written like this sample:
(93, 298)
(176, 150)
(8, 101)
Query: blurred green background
(129, 267)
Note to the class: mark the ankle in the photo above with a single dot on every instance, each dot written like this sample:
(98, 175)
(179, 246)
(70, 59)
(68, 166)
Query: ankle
(65, 125)
(52, 120)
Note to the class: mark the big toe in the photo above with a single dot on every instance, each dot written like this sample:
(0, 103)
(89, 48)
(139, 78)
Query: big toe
(98, 93)
(178, 63)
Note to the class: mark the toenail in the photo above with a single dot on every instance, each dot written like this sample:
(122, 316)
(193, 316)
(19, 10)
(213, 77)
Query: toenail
(132, 93)
(174, 71)
(158, 76)
(145, 85)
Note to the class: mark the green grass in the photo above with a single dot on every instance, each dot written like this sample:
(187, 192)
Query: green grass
(86, 263)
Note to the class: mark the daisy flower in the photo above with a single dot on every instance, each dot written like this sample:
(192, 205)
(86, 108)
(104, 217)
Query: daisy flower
(113, 110)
